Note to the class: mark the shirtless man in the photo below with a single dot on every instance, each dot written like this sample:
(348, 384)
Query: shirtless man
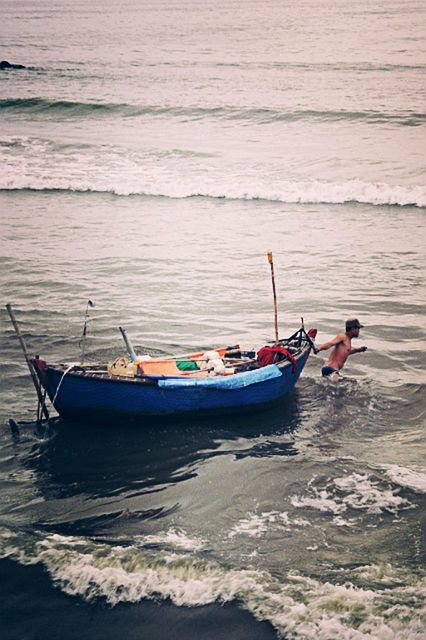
(342, 349)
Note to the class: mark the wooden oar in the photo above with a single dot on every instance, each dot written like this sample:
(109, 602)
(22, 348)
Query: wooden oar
(271, 262)
(29, 363)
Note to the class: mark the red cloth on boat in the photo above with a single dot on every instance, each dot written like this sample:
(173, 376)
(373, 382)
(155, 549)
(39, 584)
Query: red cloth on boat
(266, 355)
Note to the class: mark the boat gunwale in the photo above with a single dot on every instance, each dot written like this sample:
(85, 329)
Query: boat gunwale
(103, 375)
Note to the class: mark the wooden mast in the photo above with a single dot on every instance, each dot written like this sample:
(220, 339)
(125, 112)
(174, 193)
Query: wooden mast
(271, 262)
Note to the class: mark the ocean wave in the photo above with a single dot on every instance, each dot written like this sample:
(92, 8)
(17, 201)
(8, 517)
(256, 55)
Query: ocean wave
(366, 602)
(312, 192)
(316, 67)
(261, 115)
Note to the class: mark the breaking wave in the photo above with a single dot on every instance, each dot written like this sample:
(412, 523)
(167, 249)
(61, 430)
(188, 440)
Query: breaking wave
(344, 606)
(312, 192)
(261, 115)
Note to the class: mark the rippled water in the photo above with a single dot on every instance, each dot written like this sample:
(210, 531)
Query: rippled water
(150, 170)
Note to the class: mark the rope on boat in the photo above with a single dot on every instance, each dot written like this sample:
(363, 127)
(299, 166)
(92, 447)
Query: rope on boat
(61, 381)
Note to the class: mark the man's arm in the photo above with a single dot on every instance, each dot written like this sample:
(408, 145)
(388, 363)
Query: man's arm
(332, 343)
(359, 350)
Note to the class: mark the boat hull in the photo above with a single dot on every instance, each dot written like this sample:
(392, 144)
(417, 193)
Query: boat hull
(92, 398)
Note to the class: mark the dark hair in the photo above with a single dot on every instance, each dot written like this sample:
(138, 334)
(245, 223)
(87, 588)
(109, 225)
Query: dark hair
(353, 324)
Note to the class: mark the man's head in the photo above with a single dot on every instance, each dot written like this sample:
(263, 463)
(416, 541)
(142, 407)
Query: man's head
(352, 327)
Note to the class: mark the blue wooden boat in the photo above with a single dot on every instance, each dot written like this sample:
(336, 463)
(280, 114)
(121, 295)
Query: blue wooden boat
(91, 393)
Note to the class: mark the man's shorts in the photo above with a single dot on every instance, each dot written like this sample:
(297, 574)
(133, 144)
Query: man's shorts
(328, 371)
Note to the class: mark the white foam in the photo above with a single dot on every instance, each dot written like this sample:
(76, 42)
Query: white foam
(175, 538)
(385, 574)
(297, 193)
(341, 522)
(256, 525)
(404, 477)
(129, 175)
(354, 491)
(367, 495)
(321, 501)
(299, 607)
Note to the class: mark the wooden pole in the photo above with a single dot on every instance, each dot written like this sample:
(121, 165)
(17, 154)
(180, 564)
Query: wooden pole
(271, 262)
(29, 363)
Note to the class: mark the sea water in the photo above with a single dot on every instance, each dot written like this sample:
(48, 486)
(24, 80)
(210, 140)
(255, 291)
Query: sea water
(151, 154)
